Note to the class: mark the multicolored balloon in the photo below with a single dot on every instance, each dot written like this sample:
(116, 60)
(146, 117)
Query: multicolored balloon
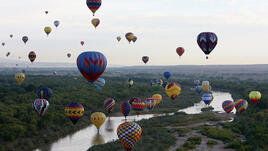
(125, 108)
(207, 41)
(129, 36)
(167, 75)
(98, 118)
(109, 104)
(95, 22)
(134, 39)
(32, 56)
(19, 77)
(149, 103)
(40, 106)
(25, 39)
(99, 83)
(130, 101)
(156, 84)
(129, 134)
(118, 38)
(82, 43)
(241, 105)
(180, 51)
(91, 64)
(74, 112)
(44, 93)
(47, 30)
(56, 23)
(138, 105)
(254, 96)
(173, 90)
(207, 98)
(93, 5)
(145, 59)
(228, 106)
(157, 98)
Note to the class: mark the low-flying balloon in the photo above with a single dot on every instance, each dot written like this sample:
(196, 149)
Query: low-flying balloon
(196, 82)
(207, 41)
(129, 36)
(157, 98)
(44, 93)
(130, 101)
(118, 38)
(25, 39)
(125, 108)
(32, 56)
(167, 75)
(40, 106)
(138, 105)
(254, 96)
(228, 106)
(156, 84)
(109, 104)
(149, 103)
(206, 86)
(19, 77)
(91, 64)
(98, 118)
(180, 51)
(145, 59)
(74, 112)
(47, 30)
(198, 89)
(207, 98)
(241, 105)
(173, 90)
(93, 5)
(129, 134)
(99, 83)
(95, 22)
(56, 23)
(130, 83)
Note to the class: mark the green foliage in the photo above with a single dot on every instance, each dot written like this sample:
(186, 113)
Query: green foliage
(189, 145)
(195, 140)
(211, 143)
(225, 135)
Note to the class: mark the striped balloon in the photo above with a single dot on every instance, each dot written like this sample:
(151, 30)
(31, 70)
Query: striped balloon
(241, 105)
(132, 100)
(44, 93)
(40, 106)
(109, 104)
(93, 5)
(150, 103)
(207, 98)
(129, 133)
(99, 83)
(74, 112)
(138, 105)
(228, 106)
(125, 108)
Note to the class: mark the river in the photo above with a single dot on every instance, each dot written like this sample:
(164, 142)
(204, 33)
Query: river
(87, 137)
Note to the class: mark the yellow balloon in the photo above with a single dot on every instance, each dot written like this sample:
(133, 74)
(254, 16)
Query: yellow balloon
(206, 88)
(95, 22)
(157, 98)
(98, 118)
(47, 30)
(173, 90)
(19, 77)
(254, 96)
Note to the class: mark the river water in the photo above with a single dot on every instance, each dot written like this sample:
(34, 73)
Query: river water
(87, 137)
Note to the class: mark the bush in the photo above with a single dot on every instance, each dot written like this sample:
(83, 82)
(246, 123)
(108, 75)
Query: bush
(195, 140)
(188, 145)
(211, 143)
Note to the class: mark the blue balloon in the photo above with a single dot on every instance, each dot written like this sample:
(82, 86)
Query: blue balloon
(207, 98)
(198, 89)
(44, 93)
(196, 82)
(99, 83)
(167, 75)
(91, 64)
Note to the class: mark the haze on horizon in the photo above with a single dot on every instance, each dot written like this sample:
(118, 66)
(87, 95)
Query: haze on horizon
(161, 26)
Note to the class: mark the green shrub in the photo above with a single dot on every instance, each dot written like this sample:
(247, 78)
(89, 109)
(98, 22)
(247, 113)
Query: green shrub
(212, 142)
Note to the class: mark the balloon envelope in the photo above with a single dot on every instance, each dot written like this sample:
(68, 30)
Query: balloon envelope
(149, 103)
(44, 93)
(207, 41)
(228, 106)
(56, 23)
(74, 112)
(254, 96)
(82, 43)
(125, 108)
(129, 36)
(25, 39)
(19, 77)
(180, 51)
(40, 106)
(156, 84)
(138, 105)
(93, 5)
(98, 118)
(134, 39)
(99, 83)
(207, 98)
(130, 83)
(167, 75)
(47, 30)
(32, 56)
(241, 105)
(95, 22)
(145, 59)
(118, 38)
(157, 98)
(173, 90)
(109, 104)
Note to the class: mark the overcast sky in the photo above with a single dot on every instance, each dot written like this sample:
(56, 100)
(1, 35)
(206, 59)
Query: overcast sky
(160, 25)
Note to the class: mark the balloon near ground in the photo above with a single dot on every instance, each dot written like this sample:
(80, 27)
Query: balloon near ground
(32, 56)
(254, 96)
(207, 98)
(173, 90)
(98, 118)
(129, 133)
(91, 64)
(206, 86)
(149, 103)
(198, 89)
(157, 98)
(19, 77)
(130, 83)
(99, 83)
(44, 93)
(138, 105)
(74, 112)
(207, 41)
(109, 104)
(40, 106)
(228, 106)
(125, 108)
(156, 84)
(241, 105)
(93, 5)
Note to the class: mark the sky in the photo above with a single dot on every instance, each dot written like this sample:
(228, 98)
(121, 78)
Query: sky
(160, 25)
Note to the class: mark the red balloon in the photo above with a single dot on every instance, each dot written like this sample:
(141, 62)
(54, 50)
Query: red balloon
(180, 51)
(82, 43)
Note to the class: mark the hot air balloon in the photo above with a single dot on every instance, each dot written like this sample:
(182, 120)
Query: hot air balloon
(19, 77)
(129, 36)
(149, 103)
(156, 84)
(196, 82)
(165, 83)
(40, 106)
(93, 5)
(157, 98)
(8, 53)
(198, 89)
(145, 59)
(130, 101)
(91, 64)
(173, 90)
(99, 83)
(109, 104)
(11, 36)
(25, 39)
(228, 106)
(46, 12)
(23, 71)
(207, 98)
(3, 44)
(82, 43)
(32, 56)
(74, 112)
(180, 51)
(44, 93)
(68, 55)
(98, 118)
(129, 134)
(167, 75)
(95, 22)
(254, 96)
(207, 41)
(54, 73)
(241, 105)
(130, 83)
(56, 23)
(125, 108)
(138, 105)
(206, 86)
(118, 38)
(134, 39)
(47, 30)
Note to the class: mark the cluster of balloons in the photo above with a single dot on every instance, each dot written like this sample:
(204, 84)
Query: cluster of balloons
(130, 37)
